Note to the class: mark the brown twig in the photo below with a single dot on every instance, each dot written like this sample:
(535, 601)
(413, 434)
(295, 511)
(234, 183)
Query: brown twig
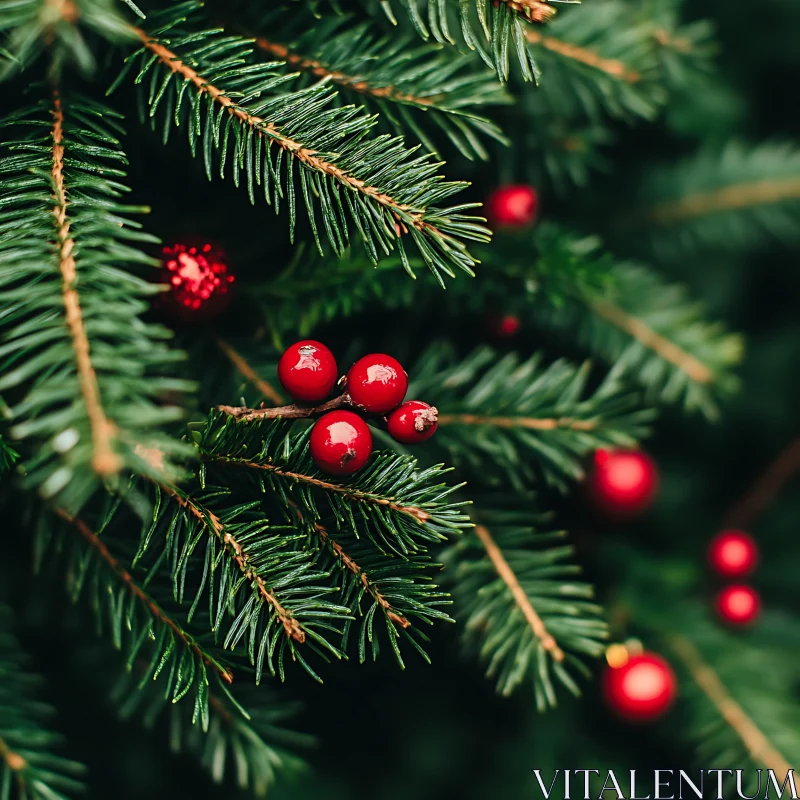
(16, 763)
(765, 488)
(104, 460)
(260, 126)
(319, 70)
(211, 521)
(510, 579)
(155, 610)
(756, 743)
(245, 414)
(350, 564)
(610, 66)
(668, 350)
(530, 423)
(250, 374)
(419, 514)
(728, 198)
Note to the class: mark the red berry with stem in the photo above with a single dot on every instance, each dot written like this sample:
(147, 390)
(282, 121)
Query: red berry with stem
(733, 553)
(413, 422)
(307, 370)
(642, 689)
(623, 482)
(513, 206)
(738, 604)
(377, 383)
(340, 443)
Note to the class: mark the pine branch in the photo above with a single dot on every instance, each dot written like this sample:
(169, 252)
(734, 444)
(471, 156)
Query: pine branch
(183, 665)
(28, 766)
(249, 570)
(523, 612)
(524, 418)
(78, 366)
(388, 194)
(409, 85)
(737, 197)
(395, 503)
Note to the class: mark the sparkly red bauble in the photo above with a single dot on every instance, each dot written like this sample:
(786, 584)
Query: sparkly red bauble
(413, 422)
(642, 689)
(340, 443)
(307, 370)
(623, 482)
(200, 280)
(512, 206)
(738, 604)
(733, 554)
(377, 383)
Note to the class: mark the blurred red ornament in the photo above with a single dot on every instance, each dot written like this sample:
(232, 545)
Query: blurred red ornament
(513, 206)
(623, 482)
(200, 281)
(738, 604)
(733, 553)
(641, 689)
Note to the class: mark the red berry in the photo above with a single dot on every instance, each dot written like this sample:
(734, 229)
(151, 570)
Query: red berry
(340, 443)
(413, 422)
(307, 370)
(623, 482)
(642, 689)
(738, 604)
(733, 553)
(377, 383)
(200, 281)
(513, 206)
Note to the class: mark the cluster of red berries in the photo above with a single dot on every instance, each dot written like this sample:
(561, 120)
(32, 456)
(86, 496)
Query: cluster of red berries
(341, 442)
(733, 554)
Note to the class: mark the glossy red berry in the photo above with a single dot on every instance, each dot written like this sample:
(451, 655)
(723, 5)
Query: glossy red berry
(738, 604)
(513, 206)
(733, 554)
(642, 689)
(307, 370)
(623, 482)
(340, 443)
(413, 422)
(377, 383)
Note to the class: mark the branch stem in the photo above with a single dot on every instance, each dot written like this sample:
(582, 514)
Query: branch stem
(105, 461)
(757, 744)
(518, 593)
(645, 335)
(531, 423)
(14, 761)
(292, 411)
(153, 608)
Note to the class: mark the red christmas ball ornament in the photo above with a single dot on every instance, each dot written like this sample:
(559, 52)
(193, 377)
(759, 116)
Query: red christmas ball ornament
(413, 422)
(738, 604)
(642, 689)
(200, 280)
(513, 206)
(307, 370)
(340, 443)
(733, 553)
(623, 482)
(377, 383)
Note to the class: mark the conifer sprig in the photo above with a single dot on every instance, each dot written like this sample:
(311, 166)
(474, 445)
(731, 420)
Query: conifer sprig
(526, 418)
(239, 110)
(78, 367)
(523, 611)
(30, 766)
(415, 88)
